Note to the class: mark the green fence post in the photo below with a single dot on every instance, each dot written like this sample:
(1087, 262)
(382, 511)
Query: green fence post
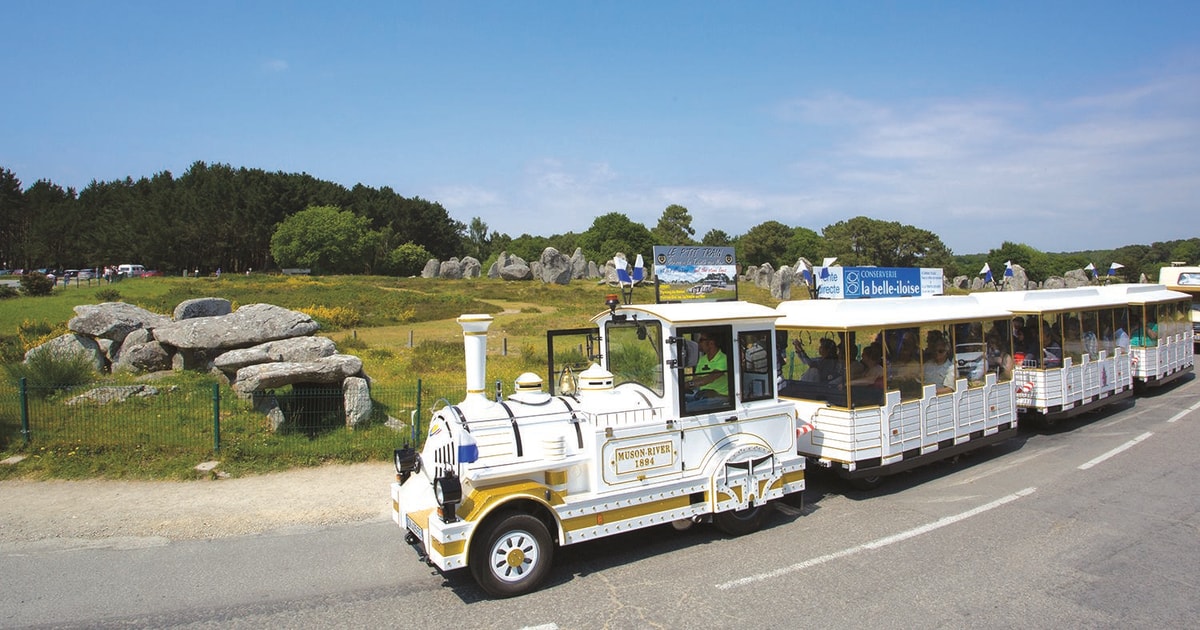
(25, 412)
(216, 418)
(416, 428)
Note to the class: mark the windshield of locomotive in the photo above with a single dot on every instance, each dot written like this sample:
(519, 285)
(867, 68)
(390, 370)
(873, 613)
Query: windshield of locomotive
(634, 353)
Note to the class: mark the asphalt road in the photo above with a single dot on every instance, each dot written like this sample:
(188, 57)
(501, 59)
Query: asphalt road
(1094, 525)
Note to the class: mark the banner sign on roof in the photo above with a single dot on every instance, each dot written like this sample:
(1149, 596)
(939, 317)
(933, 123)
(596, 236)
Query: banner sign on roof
(695, 274)
(868, 282)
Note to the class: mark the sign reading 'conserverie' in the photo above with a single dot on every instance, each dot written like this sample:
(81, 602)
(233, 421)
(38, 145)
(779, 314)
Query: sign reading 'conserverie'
(868, 282)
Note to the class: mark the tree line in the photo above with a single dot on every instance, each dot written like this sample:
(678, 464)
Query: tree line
(218, 217)
(212, 216)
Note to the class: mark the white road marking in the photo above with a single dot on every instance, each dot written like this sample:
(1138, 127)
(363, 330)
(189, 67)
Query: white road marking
(877, 544)
(1120, 448)
(1184, 412)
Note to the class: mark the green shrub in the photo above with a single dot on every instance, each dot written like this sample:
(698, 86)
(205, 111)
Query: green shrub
(47, 372)
(6, 292)
(35, 283)
(108, 294)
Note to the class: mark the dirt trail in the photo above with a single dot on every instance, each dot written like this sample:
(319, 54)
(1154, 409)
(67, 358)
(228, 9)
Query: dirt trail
(89, 512)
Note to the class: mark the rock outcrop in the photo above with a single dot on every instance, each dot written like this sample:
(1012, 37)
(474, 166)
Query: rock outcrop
(257, 348)
(249, 325)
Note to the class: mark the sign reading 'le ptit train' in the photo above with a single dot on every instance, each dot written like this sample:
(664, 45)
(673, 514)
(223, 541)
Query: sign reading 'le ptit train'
(688, 274)
(869, 282)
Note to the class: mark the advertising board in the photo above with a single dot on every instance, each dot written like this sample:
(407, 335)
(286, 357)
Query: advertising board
(867, 282)
(695, 273)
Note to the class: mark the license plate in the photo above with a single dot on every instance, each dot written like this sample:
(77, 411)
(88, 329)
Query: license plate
(415, 529)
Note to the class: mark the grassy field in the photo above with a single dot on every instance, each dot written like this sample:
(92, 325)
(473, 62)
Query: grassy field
(402, 328)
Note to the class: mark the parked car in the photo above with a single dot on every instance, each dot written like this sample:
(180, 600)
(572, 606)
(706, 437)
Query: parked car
(86, 274)
(131, 271)
(151, 272)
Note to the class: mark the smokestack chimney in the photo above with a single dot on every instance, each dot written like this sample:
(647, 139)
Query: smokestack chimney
(475, 347)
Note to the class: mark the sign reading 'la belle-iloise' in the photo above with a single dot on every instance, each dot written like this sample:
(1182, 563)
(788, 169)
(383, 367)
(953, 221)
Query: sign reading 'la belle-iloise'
(869, 282)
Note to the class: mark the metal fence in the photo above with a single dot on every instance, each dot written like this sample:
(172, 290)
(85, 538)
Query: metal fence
(203, 420)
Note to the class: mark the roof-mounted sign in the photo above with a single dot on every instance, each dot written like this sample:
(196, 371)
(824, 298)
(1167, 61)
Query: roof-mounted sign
(868, 282)
(695, 274)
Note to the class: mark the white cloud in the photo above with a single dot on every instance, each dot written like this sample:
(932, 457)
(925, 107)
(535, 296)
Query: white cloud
(275, 65)
(1086, 172)
(1096, 171)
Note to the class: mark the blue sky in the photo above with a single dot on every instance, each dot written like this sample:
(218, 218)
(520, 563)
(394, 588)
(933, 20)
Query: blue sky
(1062, 125)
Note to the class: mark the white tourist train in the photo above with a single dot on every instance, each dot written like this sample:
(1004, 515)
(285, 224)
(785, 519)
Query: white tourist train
(707, 411)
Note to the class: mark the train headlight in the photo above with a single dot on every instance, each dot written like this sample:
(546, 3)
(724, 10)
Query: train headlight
(447, 490)
(407, 462)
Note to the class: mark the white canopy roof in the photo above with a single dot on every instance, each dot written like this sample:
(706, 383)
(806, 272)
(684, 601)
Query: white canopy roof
(886, 312)
(1081, 298)
(698, 312)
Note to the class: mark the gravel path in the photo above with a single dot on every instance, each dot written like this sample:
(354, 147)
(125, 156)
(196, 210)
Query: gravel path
(90, 512)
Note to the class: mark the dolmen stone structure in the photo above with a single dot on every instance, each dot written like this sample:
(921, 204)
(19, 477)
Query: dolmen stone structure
(255, 349)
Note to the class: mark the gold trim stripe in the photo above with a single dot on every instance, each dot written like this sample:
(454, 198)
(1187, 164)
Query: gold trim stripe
(618, 515)
(478, 500)
(794, 476)
(446, 550)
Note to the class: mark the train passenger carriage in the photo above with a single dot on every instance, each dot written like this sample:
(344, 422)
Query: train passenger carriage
(1185, 279)
(1071, 349)
(888, 384)
(1161, 336)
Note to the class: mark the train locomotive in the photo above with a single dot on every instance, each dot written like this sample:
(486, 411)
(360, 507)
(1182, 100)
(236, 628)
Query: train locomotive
(632, 440)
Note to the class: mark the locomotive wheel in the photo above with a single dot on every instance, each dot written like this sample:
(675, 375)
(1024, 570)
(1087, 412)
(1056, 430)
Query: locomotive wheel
(741, 522)
(512, 555)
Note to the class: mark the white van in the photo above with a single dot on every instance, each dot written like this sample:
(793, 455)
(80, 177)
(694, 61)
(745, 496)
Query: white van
(131, 271)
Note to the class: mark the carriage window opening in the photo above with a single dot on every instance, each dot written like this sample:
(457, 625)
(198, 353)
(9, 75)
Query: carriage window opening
(1143, 326)
(970, 352)
(1091, 334)
(827, 366)
(902, 362)
(1025, 331)
(1073, 342)
(1050, 341)
(758, 367)
(938, 352)
(999, 354)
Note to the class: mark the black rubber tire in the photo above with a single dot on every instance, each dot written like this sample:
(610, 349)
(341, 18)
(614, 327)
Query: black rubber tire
(511, 555)
(742, 522)
(869, 482)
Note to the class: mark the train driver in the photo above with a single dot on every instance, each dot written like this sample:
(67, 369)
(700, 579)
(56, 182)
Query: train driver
(709, 376)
